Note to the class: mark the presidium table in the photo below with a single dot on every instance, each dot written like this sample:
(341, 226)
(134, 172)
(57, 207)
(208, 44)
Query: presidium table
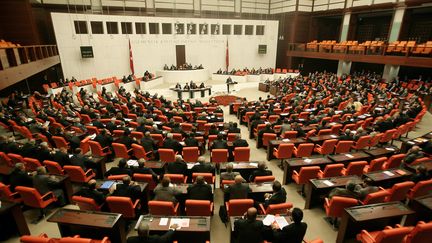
(190, 93)
(182, 76)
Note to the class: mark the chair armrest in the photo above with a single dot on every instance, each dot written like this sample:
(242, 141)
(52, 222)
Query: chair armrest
(398, 226)
(227, 206)
(89, 172)
(388, 227)
(105, 240)
(295, 173)
(129, 150)
(47, 196)
(211, 207)
(105, 148)
(15, 195)
(185, 179)
(147, 153)
(326, 201)
(367, 235)
(381, 188)
(176, 208)
(136, 204)
(76, 236)
(275, 150)
(262, 208)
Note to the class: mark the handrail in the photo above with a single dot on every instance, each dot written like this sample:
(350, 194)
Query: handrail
(17, 55)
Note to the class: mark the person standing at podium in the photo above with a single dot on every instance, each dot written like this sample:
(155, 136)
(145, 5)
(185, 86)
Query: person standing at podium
(228, 82)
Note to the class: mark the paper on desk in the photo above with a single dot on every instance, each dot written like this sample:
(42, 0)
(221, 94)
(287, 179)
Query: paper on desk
(92, 136)
(163, 221)
(132, 162)
(184, 223)
(70, 156)
(388, 173)
(253, 164)
(286, 140)
(349, 155)
(411, 142)
(328, 183)
(190, 165)
(390, 149)
(307, 160)
(268, 220)
(281, 221)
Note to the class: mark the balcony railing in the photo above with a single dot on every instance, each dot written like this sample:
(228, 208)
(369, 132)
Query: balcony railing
(14, 56)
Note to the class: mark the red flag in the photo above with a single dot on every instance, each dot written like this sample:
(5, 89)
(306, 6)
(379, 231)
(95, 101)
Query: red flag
(131, 59)
(227, 57)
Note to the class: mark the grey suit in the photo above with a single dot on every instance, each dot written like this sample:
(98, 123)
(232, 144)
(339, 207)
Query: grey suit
(166, 193)
(238, 191)
(45, 184)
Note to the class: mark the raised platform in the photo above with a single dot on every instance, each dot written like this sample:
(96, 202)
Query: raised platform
(183, 76)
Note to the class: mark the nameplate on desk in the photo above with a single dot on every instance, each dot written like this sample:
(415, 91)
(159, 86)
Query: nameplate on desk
(286, 140)
(388, 173)
(390, 149)
(333, 136)
(400, 172)
(307, 160)
(349, 155)
(253, 164)
(328, 183)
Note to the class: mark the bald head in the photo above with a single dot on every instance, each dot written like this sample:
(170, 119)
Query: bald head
(143, 229)
(238, 179)
(251, 213)
(92, 184)
(229, 167)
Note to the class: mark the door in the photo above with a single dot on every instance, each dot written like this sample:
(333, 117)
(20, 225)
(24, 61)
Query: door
(180, 55)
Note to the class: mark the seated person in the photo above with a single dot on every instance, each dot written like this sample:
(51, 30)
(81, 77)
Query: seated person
(234, 128)
(61, 156)
(142, 169)
(202, 85)
(171, 143)
(90, 191)
(200, 190)
(145, 237)
(421, 174)
(413, 154)
(266, 129)
(261, 171)
(81, 160)
(190, 141)
(186, 87)
(203, 166)
(165, 191)
(127, 189)
(179, 166)
(427, 147)
(126, 140)
(238, 190)
(239, 142)
(248, 229)
(178, 86)
(293, 232)
(366, 188)
(346, 136)
(19, 177)
(279, 195)
(45, 183)
(229, 174)
(213, 130)
(104, 138)
(348, 191)
(121, 169)
(219, 143)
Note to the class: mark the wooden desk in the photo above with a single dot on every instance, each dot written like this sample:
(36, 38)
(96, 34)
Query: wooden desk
(346, 158)
(386, 178)
(263, 87)
(99, 166)
(157, 166)
(275, 143)
(267, 234)
(12, 220)
(295, 164)
(261, 187)
(427, 164)
(90, 224)
(198, 230)
(370, 217)
(423, 208)
(382, 152)
(322, 138)
(317, 189)
(66, 186)
(183, 187)
(406, 145)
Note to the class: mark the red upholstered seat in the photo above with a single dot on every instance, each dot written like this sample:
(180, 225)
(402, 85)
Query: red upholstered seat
(163, 208)
(198, 208)
(399, 191)
(237, 207)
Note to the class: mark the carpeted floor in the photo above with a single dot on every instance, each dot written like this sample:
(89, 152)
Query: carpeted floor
(226, 99)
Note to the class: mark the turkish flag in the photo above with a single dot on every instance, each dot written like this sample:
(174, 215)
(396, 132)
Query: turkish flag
(131, 59)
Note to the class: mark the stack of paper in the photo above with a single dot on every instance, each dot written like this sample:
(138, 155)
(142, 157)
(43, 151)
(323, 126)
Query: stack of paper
(132, 162)
(183, 223)
(307, 160)
(286, 140)
(254, 164)
(268, 220)
(281, 222)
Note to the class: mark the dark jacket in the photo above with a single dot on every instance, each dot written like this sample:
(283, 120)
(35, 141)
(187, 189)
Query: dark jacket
(276, 198)
(200, 192)
(219, 144)
(259, 172)
(203, 168)
(248, 231)
(176, 168)
(118, 171)
(91, 193)
(104, 141)
(173, 144)
(20, 178)
(122, 190)
(238, 191)
(293, 232)
(165, 238)
(61, 158)
(240, 143)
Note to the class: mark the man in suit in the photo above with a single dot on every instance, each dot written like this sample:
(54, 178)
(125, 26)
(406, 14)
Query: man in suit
(190, 141)
(346, 136)
(233, 128)
(164, 191)
(249, 229)
(145, 237)
(104, 138)
(239, 142)
(177, 167)
(126, 140)
(61, 156)
(219, 143)
(173, 144)
(261, 171)
(45, 183)
(121, 169)
(229, 174)
(238, 190)
(79, 159)
(142, 169)
(29, 149)
(127, 189)
(413, 154)
(293, 232)
(200, 190)
(148, 143)
(97, 123)
(111, 126)
(267, 129)
(203, 167)
(19, 177)
(90, 191)
(278, 196)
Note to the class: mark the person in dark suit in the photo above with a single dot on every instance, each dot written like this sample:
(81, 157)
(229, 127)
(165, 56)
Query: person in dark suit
(219, 143)
(200, 190)
(142, 169)
(239, 142)
(173, 144)
(278, 196)
(111, 126)
(97, 123)
(29, 149)
(234, 128)
(238, 190)
(45, 183)
(126, 140)
(427, 147)
(19, 177)
(61, 156)
(190, 141)
(73, 140)
(293, 232)
(177, 167)
(213, 130)
(248, 229)
(267, 129)
(413, 154)
(148, 143)
(145, 237)
(79, 159)
(346, 136)
(121, 169)
(43, 152)
(421, 174)
(104, 138)
(203, 167)
(127, 189)
(261, 171)
(90, 191)
(300, 132)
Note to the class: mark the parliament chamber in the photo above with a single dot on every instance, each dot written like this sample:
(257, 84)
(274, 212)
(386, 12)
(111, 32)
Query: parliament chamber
(216, 121)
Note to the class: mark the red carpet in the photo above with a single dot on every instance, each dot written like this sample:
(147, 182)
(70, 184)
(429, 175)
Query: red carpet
(226, 99)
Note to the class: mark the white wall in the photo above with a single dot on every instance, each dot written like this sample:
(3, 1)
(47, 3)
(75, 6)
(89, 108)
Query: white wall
(152, 52)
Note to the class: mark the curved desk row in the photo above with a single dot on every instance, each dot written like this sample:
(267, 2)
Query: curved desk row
(190, 93)
(252, 77)
(181, 76)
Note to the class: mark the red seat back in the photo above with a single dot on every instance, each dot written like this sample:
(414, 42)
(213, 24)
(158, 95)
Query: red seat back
(241, 154)
(166, 155)
(198, 207)
(190, 154)
(162, 208)
(237, 207)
